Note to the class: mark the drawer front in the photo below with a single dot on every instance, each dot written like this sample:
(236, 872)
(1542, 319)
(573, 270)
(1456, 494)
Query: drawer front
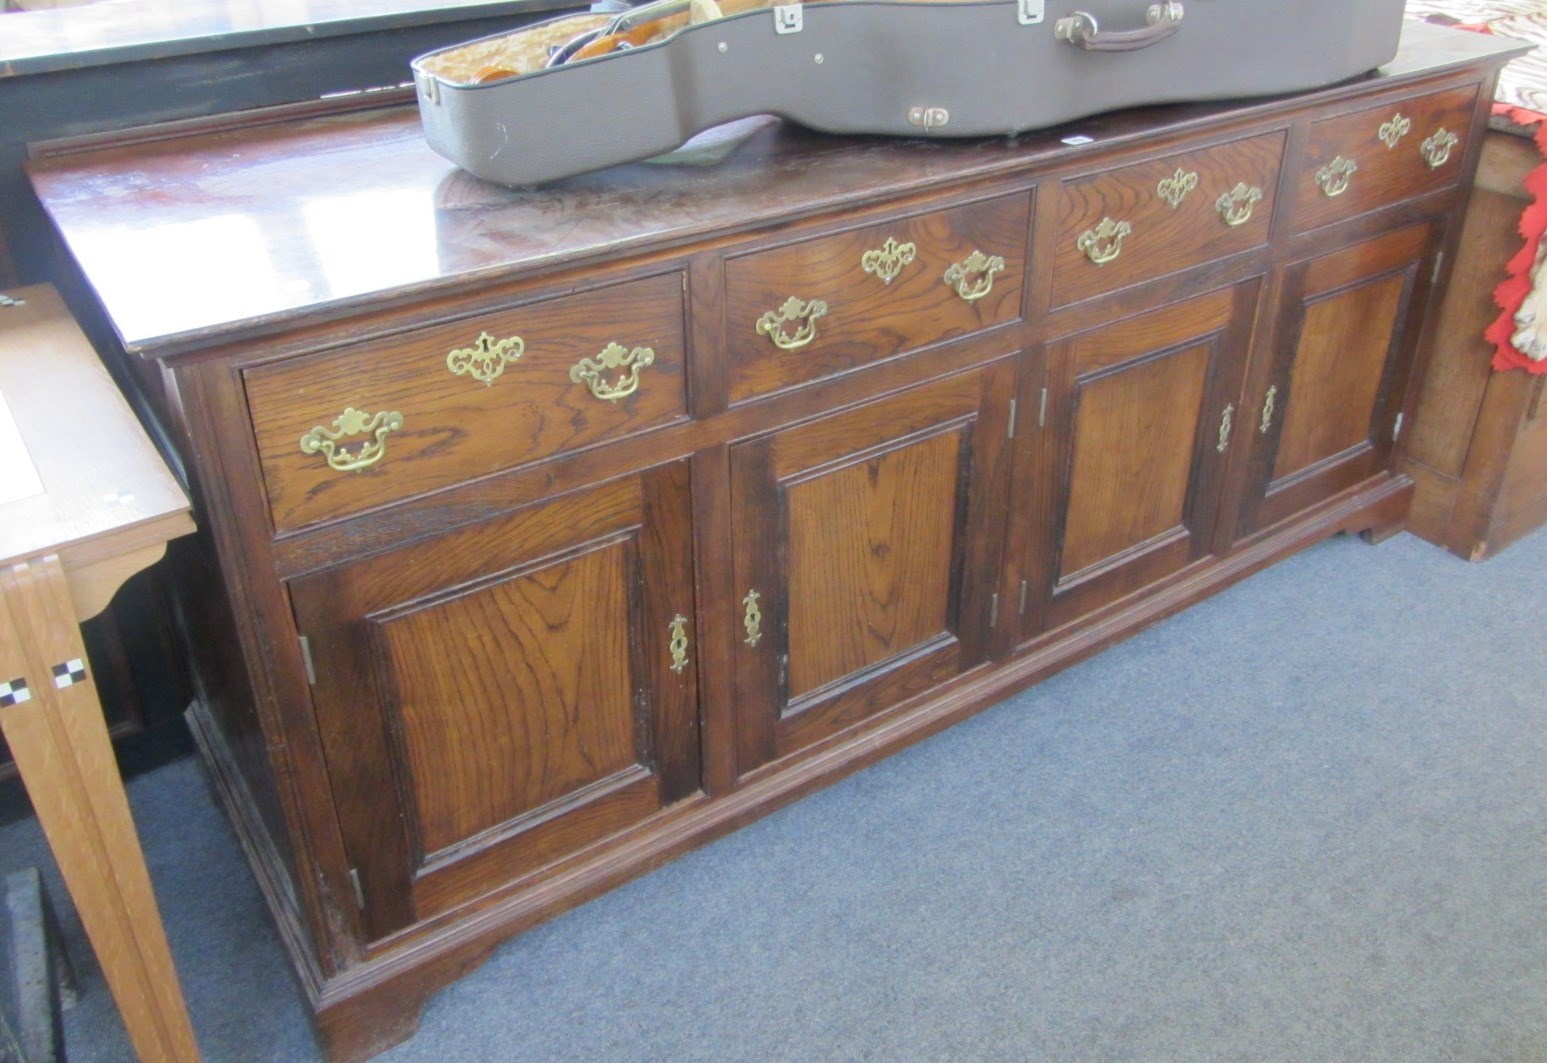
(1143, 221)
(341, 431)
(823, 306)
(1370, 159)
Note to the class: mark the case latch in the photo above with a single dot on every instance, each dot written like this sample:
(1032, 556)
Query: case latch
(1031, 12)
(788, 18)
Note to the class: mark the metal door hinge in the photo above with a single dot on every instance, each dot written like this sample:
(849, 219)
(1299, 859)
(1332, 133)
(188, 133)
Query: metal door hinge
(1010, 429)
(1396, 429)
(993, 611)
(1025, 585)
(1042, 410)
(359, 891)
(306, 659)
(1030, 12)
(1439, 264)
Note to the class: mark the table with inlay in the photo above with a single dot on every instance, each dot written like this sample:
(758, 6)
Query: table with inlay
(85, 502)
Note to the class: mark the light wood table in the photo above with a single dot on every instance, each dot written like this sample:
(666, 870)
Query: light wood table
(85, 502)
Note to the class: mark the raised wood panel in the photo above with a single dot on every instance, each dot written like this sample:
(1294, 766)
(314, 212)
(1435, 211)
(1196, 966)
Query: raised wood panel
(868, 318)
(1135, 438)
(1126, 476)
(1163, 237)
(871, 552)
(1344, 344)
(1383, 174)
(511, 696)
(494, 698)
(866, 535)
(1338, 367)
(455, 427)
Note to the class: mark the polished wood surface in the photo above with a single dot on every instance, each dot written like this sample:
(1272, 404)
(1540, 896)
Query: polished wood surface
(1164, 238)
(457, 426)
(1130, 460)
(865, 535)
(821, 555)
(1383, 172)
(99, 500)
(305, 238)
(522, 699)
(869, 318)
(1346, 343)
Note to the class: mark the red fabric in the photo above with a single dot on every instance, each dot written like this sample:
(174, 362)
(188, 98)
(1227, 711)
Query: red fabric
(1512, 291)
(1519, 281)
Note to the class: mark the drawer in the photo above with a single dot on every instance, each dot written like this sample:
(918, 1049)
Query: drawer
(1142, 221)
(818, 307)
(1370, 159)
(341, 431)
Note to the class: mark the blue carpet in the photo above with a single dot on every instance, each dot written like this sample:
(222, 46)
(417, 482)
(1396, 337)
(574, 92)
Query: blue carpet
(1304, 821)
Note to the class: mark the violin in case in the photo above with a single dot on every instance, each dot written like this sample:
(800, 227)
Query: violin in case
(591, 90)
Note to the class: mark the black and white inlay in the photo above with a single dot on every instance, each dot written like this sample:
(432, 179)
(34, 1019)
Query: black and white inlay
(14, 692)
(69, 673)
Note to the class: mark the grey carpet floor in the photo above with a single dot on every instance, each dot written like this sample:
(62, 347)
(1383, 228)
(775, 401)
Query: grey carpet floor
(1304, 821)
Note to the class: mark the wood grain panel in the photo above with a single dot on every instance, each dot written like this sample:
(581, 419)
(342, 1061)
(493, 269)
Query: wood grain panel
(1344, 339)
(1164, 238)
(494, 698)
(1384, 174)
(866, 534)
(871, 547)
(534, 703)
(1135, 437)
(868, 319)
(454, 427)
(1126, 477)
(1338, 367)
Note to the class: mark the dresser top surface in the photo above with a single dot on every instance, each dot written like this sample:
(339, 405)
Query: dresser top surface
(231, 233)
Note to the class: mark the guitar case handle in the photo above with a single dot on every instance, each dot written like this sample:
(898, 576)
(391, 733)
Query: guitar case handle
(1083, 31)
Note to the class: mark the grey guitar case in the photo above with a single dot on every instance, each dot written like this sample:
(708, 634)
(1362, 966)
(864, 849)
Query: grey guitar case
(960, 68)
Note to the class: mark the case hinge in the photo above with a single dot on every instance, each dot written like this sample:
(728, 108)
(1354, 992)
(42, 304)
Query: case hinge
(359, 891)
(306, 659)
(1010, 429)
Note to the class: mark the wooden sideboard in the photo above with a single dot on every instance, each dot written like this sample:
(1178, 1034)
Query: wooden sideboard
(554, 532)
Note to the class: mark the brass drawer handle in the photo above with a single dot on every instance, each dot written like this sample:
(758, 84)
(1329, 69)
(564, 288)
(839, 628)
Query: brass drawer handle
(353, 422)
(772, 323)
(1334, 177)
(614, 357)
(1392, 132)
(1436, 150)
(1235, 206)
(887, 260)
(1174, 189)
(752, 619)
(1269, 404)
(973, 278)
(679, 642)
(1105, 242)
(1226, 423)
(487, 358)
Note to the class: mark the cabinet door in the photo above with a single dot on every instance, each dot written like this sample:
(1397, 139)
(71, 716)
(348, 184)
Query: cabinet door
(1322, 416)
(500, 696)
(865, 549)
(1127, 469)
